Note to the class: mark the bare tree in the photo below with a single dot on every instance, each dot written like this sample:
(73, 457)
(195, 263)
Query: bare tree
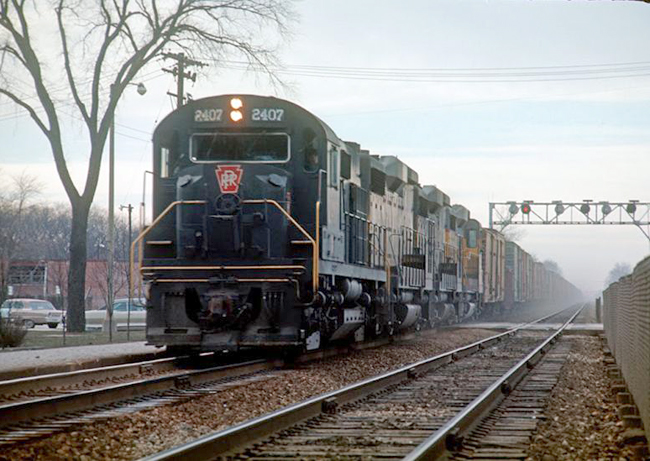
(98, 277)
(513, 234)
(102, 46)
(619, 270)
(552, 266)
(14, 204)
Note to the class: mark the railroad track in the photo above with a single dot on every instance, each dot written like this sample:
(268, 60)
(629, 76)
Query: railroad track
(421, 411)
(51, 384)
(40, 406)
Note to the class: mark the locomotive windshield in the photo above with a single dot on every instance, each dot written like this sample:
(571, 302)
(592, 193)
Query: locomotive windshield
(240, 147)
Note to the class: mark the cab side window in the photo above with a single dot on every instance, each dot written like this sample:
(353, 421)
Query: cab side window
(471, 241)
(310, 151)
(164, 162)
(333, 172)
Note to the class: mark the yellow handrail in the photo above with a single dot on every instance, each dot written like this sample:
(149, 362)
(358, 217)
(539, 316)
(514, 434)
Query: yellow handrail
(314, 242)
(144, 233)
(221, 268)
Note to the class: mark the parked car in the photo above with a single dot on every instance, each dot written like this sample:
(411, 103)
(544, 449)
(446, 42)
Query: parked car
(95, 318)
(31, 312)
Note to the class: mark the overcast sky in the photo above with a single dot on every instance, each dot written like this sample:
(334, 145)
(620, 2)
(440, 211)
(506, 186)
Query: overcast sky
(541, 100)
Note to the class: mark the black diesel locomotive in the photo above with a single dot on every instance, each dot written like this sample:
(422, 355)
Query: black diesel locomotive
(272, 232)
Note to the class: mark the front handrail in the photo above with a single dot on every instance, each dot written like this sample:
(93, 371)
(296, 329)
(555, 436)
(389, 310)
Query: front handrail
(315, 242)
(146, 231)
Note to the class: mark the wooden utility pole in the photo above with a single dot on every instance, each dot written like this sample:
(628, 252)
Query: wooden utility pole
(182, 62)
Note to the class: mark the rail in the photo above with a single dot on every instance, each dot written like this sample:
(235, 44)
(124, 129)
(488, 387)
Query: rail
(11, 388)
(223, 442)
(26, 414)
(20, 412)
(435, 446)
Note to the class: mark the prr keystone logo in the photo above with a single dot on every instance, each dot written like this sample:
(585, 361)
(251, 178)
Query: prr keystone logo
(229, 177)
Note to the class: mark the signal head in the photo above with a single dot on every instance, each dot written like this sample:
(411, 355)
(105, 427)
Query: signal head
(606, 209)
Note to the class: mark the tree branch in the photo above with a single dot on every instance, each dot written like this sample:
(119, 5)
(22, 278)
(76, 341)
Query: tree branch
(68, 68)
(32, 65)
(30, 110)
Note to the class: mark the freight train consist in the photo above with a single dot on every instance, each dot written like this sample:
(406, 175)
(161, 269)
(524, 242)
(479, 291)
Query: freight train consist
(273, 232)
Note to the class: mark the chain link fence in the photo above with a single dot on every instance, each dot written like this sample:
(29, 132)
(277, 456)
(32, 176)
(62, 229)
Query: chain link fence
(626, 305)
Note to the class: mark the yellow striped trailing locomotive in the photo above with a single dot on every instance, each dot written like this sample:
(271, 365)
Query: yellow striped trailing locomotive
(271, 232)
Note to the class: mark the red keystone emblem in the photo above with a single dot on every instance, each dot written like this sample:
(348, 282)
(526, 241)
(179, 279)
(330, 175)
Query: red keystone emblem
(229, 177)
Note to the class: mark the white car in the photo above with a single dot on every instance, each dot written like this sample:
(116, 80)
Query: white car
(97, 318)
(31, 312)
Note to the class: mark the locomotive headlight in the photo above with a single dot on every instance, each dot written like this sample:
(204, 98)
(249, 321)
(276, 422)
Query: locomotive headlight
(236, 103)
(236, 115)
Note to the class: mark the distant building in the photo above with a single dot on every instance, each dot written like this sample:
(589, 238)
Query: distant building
(49, 280)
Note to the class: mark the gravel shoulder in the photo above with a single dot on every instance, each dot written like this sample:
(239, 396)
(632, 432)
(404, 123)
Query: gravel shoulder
(582, 422)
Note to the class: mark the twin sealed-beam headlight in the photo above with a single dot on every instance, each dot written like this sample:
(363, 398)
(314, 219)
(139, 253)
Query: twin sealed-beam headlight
(235, 114)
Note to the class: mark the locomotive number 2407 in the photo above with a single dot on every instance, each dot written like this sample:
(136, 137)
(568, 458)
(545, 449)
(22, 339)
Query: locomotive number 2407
(208, 115)
(257, 115)
(267, 115)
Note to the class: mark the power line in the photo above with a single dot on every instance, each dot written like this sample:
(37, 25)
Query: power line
(488, 101)
(460, 75)
(53, 90)
(457, 69)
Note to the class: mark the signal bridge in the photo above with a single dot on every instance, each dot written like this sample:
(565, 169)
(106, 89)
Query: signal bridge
(557, 212)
